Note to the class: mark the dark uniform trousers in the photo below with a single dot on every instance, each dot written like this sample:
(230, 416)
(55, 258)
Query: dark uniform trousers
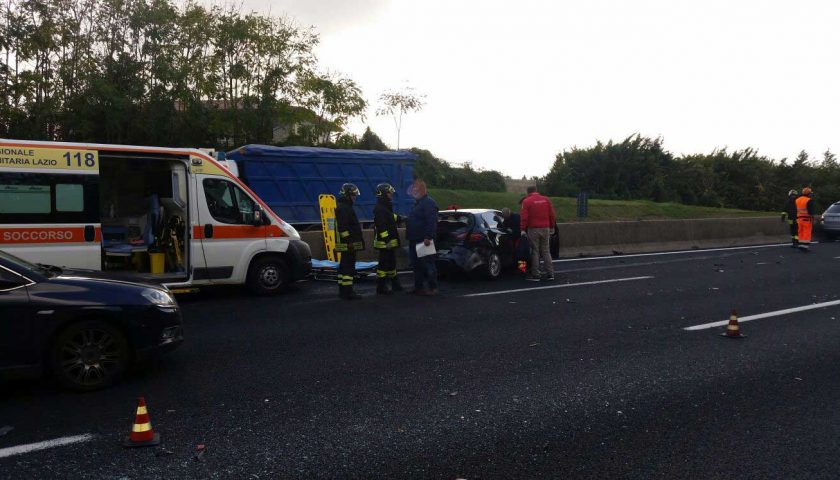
(346, 270)
(794, 231)
(387, 267)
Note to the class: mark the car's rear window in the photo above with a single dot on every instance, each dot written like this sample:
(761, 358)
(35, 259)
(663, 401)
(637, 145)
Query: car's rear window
(454, 226)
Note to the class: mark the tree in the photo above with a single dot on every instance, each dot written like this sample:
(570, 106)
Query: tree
(398, 103)
(829, 160)
(160, 72)
(333, 99)
(371, 141)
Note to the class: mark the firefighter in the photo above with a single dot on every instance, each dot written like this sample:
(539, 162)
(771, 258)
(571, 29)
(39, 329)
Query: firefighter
(805, 218)
(348, 240)
(386, 239)
(789, 214)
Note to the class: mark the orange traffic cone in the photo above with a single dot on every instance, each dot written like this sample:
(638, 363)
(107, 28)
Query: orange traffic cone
(142, 434)
(733, 330)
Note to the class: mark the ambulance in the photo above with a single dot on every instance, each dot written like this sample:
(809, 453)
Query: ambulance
(173, 216)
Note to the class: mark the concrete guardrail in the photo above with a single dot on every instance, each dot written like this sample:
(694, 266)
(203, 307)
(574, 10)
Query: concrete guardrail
(644, 236)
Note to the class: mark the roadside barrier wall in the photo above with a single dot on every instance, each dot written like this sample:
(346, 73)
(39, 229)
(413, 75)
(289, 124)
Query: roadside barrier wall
(610, 238)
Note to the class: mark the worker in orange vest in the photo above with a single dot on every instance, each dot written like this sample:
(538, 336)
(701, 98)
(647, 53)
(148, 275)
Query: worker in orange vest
(805, 217)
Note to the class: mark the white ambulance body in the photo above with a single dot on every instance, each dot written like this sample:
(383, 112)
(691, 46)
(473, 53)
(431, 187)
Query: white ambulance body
(168, 215)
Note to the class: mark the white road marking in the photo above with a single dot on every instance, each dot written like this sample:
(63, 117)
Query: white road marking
(32, 447)
(678, 252)
(563, 285)
(777, 313)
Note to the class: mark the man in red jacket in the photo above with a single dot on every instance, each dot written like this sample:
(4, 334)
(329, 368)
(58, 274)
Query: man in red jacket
(538, 221)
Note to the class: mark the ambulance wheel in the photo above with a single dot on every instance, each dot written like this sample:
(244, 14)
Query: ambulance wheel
(89, 355)
(268, 275)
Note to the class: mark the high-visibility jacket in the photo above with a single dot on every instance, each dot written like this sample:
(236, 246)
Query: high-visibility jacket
(804, 207)
(348, 230)
(386, 235)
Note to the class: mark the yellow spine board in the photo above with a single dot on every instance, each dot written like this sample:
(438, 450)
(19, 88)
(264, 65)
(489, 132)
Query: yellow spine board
(327, 205)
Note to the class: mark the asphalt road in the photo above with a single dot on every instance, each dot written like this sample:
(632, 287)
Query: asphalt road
(599, 380)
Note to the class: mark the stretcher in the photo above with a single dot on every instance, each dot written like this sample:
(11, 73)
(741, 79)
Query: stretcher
(327, 270)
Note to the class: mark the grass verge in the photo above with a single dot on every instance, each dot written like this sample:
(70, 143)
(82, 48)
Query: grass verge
(599, 210)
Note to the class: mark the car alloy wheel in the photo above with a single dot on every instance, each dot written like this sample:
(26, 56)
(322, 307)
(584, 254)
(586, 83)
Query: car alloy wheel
(494, 265)
(89, 355)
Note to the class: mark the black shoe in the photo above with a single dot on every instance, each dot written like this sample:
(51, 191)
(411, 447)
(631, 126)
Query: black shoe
(347, 293)
(532, 278)
(382, 287)
(548, 278)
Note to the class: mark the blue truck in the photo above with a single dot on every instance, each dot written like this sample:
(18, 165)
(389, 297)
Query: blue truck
(289, 179)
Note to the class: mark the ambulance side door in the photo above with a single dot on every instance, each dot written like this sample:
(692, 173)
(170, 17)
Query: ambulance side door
(229, 236)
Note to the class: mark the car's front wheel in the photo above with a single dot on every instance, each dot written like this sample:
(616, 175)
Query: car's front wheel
(268, 275)
(89, 355)
(494, 266)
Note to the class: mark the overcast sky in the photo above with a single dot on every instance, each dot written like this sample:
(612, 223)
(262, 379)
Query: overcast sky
(511, 83)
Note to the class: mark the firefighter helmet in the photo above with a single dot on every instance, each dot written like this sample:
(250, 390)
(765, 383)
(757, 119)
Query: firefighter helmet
(807, 191)
(793, 192)
(384, 189)
(349, 189)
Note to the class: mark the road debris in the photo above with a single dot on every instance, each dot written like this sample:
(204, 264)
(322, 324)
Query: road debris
(162, 451)
(452, 394)
(200, 449)
(534, 344)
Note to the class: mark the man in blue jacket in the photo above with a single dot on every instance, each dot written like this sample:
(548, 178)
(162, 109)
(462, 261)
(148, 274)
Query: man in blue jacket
(421, 227)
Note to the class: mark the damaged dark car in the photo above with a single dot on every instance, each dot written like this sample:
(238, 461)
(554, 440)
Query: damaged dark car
(476, 242)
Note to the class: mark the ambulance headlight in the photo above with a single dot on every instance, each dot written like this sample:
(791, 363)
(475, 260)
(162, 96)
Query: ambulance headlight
(158, 297)
(290, 230)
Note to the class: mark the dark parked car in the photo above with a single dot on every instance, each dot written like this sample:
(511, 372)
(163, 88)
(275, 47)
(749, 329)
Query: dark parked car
(831, 221)
(474, 240)
(85, 331)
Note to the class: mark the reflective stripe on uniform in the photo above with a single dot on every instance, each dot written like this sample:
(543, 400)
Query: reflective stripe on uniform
(383, 234)
(393, 243)
(344, 234)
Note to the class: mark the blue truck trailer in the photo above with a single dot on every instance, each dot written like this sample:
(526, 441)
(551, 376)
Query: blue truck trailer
(289, 179)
